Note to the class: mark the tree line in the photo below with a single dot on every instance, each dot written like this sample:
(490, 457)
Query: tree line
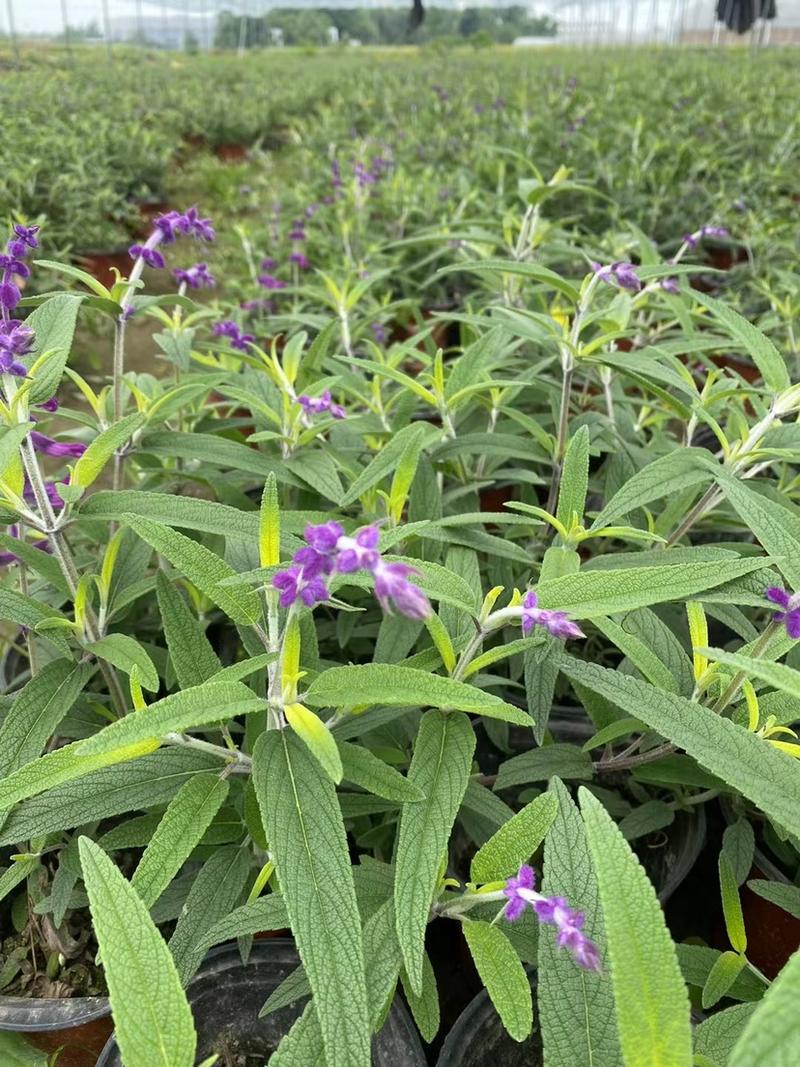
(313, 26)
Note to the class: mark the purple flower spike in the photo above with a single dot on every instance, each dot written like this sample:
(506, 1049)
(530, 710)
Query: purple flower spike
(670, 285)
(525, 879)
(234, 334)
(27, 234)
(555, 622)
(624, 274)
(48, 447)
(151, 256)
(173, 224)
(319, 404)
(269, 281)
(301, 260)
(50, 405)
(196, 277)
(10, 295)
(791, 616)
(555, 911)
(392, 585)
(328, 550)
(293, 585)
(16, 339)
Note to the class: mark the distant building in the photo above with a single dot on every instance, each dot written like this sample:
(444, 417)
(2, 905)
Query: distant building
(533, 42)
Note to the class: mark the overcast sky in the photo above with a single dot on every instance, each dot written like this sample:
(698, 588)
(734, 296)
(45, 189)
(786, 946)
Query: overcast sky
(44, 16)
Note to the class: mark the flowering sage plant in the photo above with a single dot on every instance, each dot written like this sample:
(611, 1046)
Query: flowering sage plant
(427, 591)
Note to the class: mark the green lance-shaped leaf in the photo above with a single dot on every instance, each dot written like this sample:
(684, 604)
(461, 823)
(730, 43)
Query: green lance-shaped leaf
(404, 474)
(25, 611)
(200, 516)
(265, 913)
(363, 768)
(269, 525)
(193, 658)
(776, 526)
(574, 480)
(425, 1007)
(576, 1011)
(64, 765)
(175, 713)
(292, 989)
(721, 977)
(16, 873)
(127, 785)
(214, 894)
(91, 464)
(757, 345)
(717, 1035)
(202, 567)
(731, 905)
(515, 842)
(534, 271)
(316, 735)
(53, 323)
(40, 706)
(651, 999)
(125, 653)
(10, 440)
(152, 1019)
(663, 477)
(396, 686)
(306, 835)
(771, 1037)
(303, 1045)
(440, 768)
(608, 592)
(777, 675)
(16, 1052)
(771, 779)
(503, 975)
(186, 819)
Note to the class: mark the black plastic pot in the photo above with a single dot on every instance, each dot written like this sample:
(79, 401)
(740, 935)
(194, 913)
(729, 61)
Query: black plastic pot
(226, 997)
(479, 1039)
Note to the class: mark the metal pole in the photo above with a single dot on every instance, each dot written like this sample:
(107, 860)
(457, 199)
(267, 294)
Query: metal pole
(654, 21)
(107, 28)
(139, 23)
(65, 21)
(12, 32)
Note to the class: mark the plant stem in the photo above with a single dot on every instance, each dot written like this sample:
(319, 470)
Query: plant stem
(735, 685)
(238, 762)
(63, 555)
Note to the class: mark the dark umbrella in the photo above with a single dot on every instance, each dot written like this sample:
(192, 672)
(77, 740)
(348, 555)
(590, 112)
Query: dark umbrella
(739, 15)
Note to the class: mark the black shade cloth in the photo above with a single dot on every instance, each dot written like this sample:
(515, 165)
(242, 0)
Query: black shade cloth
(739, 15)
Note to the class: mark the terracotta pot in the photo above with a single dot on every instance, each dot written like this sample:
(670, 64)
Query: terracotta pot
(725, 258)
(494, 498)
(231, 153)
(101, 264)
(743, 367)
(773, 935)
